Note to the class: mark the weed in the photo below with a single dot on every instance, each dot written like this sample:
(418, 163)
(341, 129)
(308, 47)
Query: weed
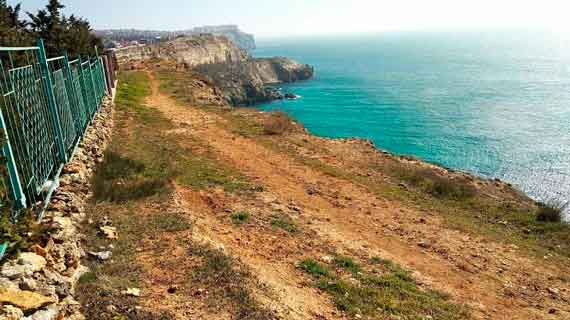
(240, 218)
(315, 269)
(347, 264)
(24, 233)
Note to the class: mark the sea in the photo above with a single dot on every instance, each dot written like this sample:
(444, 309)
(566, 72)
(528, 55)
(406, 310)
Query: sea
(495, 103)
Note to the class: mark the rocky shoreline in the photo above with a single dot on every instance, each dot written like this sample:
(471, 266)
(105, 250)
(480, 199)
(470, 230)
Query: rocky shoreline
(39, 284)
(242, 79)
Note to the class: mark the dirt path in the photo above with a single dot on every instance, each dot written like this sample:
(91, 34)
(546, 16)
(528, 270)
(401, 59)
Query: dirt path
(491, 278)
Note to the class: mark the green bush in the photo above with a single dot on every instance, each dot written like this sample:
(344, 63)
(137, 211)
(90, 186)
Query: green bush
(550, 213)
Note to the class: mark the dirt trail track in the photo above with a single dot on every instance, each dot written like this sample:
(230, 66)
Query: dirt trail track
(490, 278)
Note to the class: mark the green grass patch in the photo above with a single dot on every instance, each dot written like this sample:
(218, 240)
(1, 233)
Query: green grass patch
(170, 222)
(373, 296)
(240, 218)
(434, 184)
(315, 269)
(347, 264)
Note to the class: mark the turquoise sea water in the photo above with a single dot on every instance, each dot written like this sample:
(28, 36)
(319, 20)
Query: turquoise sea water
(496, 104)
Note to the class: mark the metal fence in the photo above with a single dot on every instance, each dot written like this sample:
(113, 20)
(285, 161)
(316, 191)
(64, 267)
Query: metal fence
(47, 104)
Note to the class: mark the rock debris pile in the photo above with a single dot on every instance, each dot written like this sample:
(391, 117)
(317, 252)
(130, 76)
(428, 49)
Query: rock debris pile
(40, 284)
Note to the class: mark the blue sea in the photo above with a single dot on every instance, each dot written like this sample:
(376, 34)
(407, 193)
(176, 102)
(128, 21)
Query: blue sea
(493, 103)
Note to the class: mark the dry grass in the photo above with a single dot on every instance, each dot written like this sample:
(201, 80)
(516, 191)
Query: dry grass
(229, 281)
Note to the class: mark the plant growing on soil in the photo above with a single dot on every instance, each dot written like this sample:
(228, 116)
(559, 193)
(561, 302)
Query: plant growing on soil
(277, 123)
(387, 292)
(240, 218)
(284, 223)
(551, 212)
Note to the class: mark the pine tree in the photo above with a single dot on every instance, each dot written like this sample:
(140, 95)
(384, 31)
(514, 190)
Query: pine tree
(61, 34)
(12, 30)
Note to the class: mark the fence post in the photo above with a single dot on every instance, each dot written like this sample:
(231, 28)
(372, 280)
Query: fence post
(52, 104)
(14, 178)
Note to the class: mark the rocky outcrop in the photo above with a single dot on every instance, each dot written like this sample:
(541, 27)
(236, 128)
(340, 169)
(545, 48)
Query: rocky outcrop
(282, 70)
(248, 82)
(242, 79)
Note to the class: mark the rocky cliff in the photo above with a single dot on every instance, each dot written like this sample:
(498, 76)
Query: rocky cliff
(249, 82)
(244, 80)
(201, 50)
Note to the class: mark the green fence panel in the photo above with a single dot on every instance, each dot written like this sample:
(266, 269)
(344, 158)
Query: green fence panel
(66, 115)
(80, 99)
(46, 106)
(31, 126)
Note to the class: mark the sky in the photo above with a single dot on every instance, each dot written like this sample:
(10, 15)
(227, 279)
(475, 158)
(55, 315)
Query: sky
(306, 17)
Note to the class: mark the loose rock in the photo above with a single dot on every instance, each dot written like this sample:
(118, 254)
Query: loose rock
(25, 300)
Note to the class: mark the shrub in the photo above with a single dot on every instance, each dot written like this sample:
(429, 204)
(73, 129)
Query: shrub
(550, 212)
(240, 218)
(438, 186)
(277, 123)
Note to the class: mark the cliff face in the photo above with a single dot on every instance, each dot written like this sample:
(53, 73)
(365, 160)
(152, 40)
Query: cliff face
(243, 79)
(203, 49)
(247, 82)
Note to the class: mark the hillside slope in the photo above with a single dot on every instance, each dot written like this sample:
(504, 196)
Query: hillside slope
(236, 214)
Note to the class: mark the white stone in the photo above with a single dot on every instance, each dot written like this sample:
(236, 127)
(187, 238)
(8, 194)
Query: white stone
(11, 313)
(26, 264)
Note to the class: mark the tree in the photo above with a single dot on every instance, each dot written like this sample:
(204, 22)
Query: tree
(12, 30)
(61, 34)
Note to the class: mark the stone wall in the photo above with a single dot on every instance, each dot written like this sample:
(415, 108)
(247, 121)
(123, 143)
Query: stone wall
(40, 284)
